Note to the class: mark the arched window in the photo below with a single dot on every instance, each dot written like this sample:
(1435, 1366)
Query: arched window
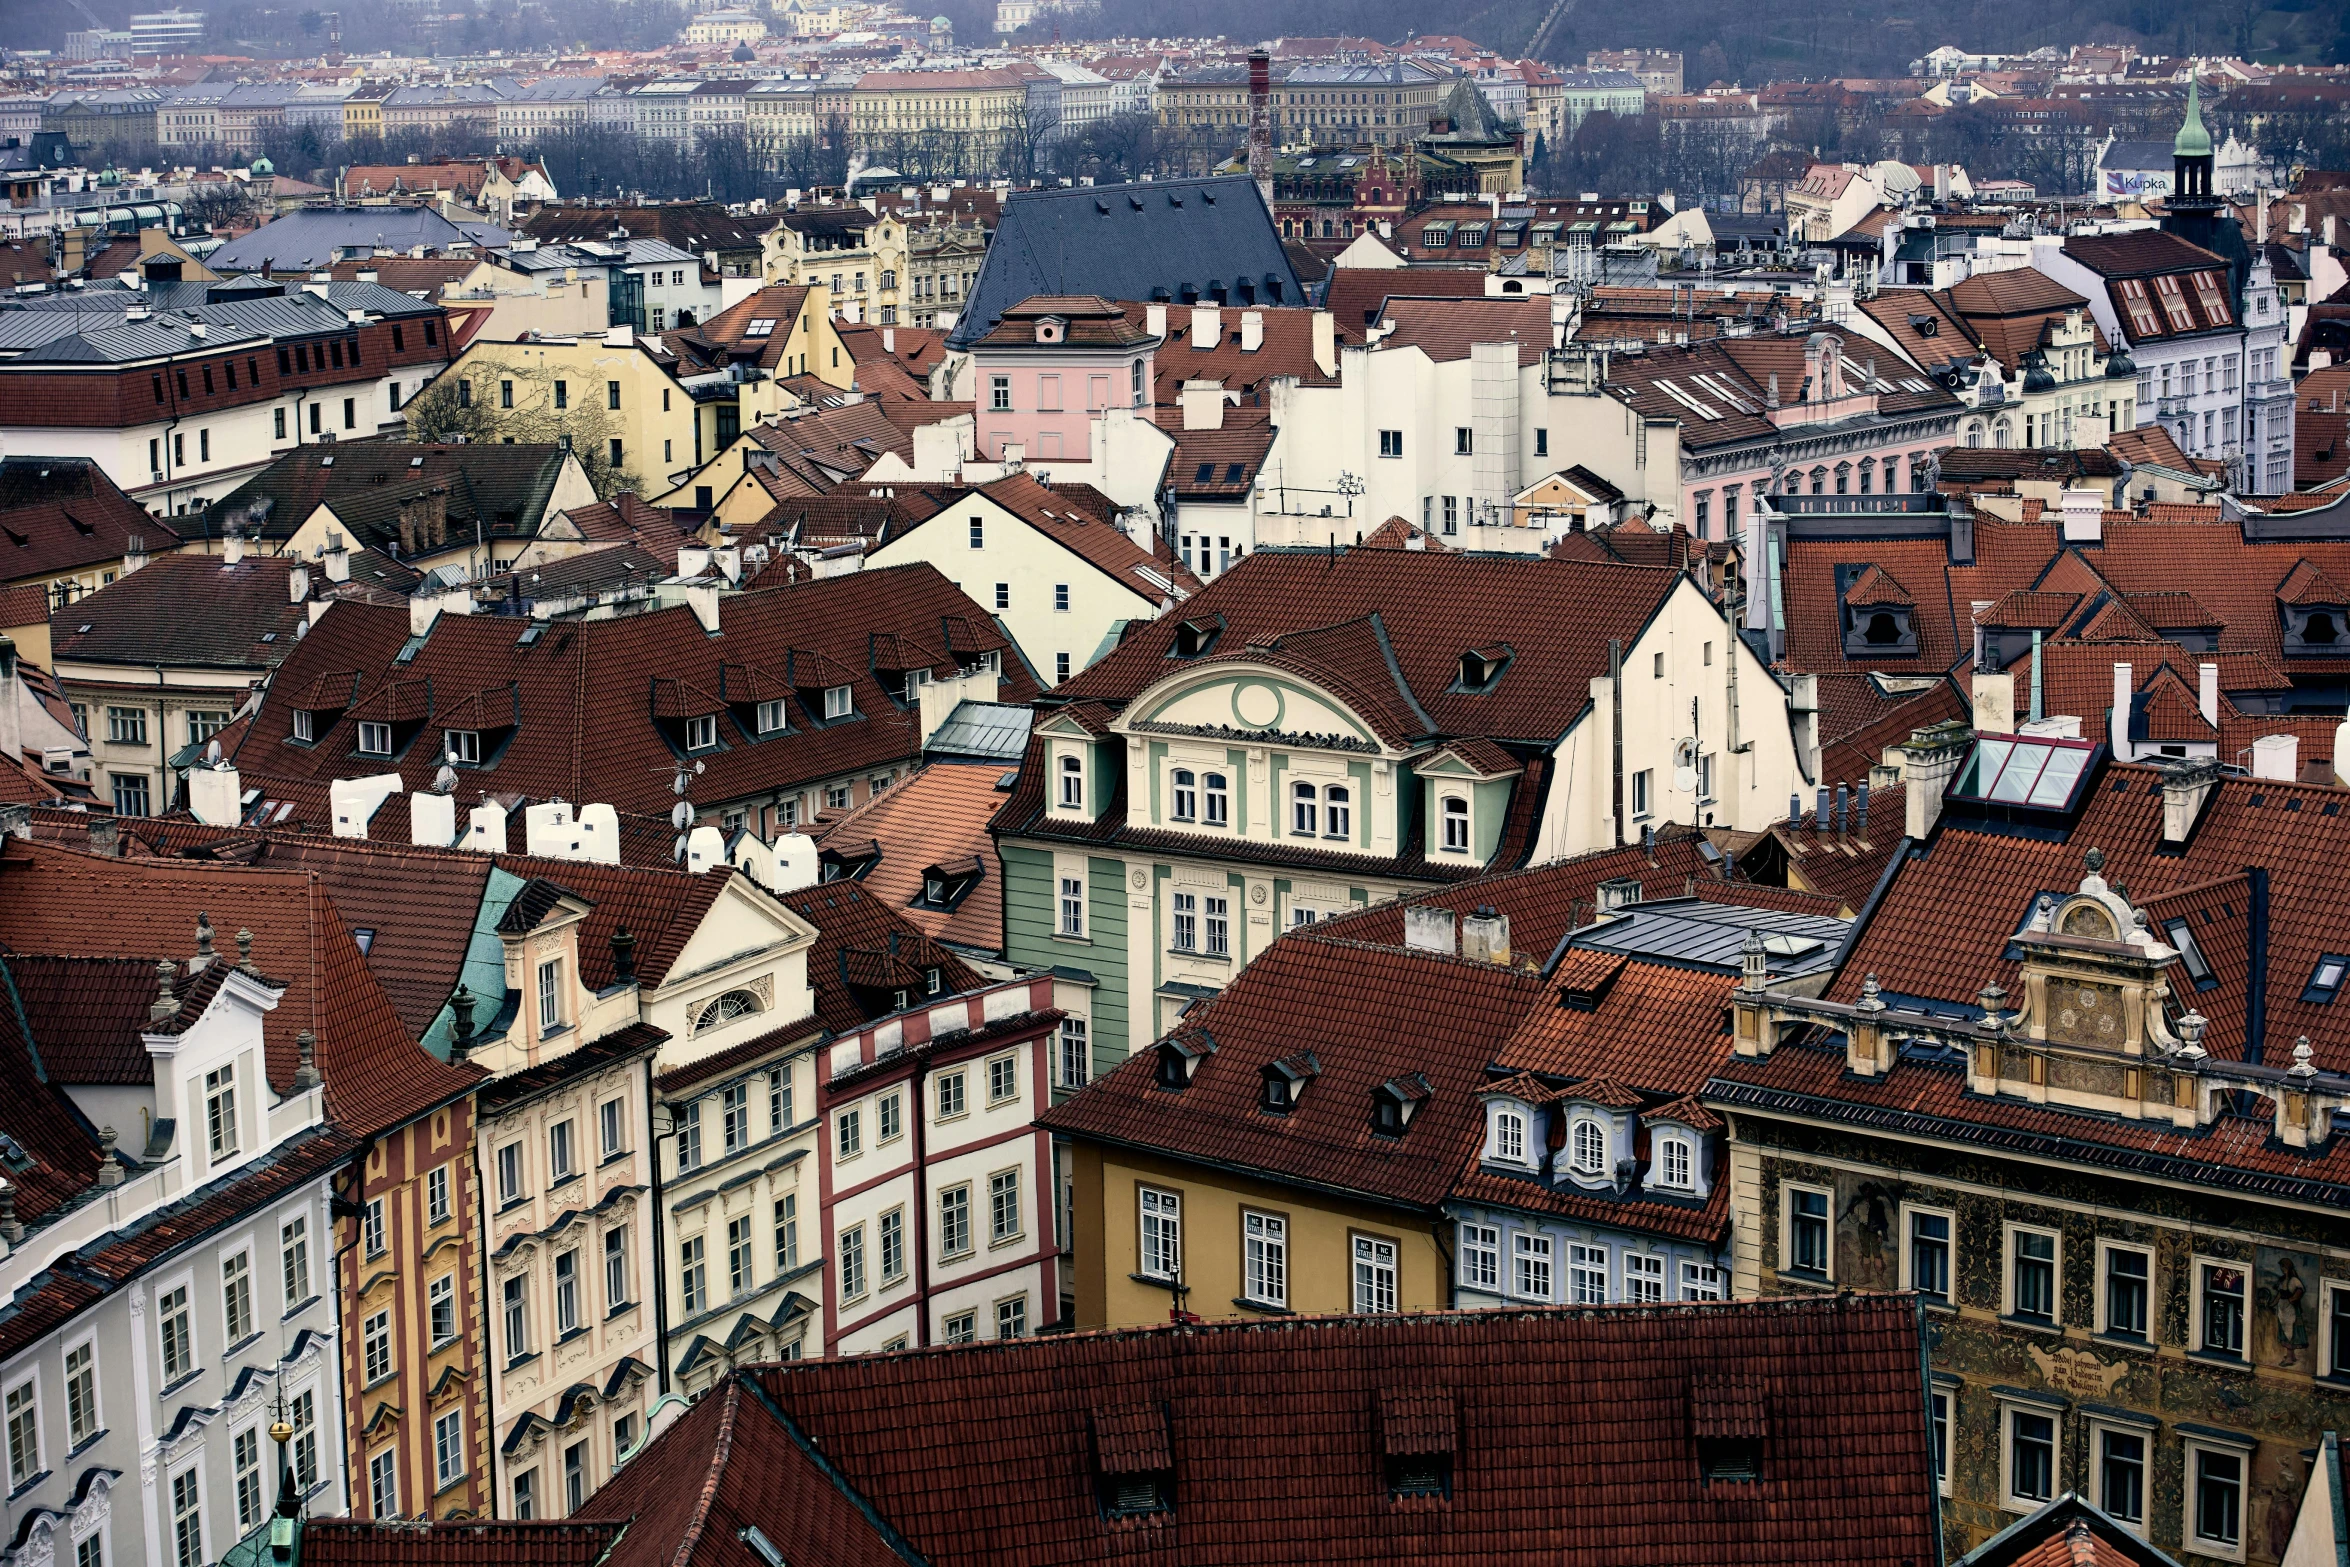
(1216, 802)
(1509, 1136)
(1884, 629)
(1456, 824)
(724, 1010)
(2002, 434)
(1072, 783)
(1819, 481)
(1186, 794)
(1675, 1163)
(1844, 478)
(2319, 629)
(1337, 811)
(1304, 809)
(1868, 475)
(1590, 1148)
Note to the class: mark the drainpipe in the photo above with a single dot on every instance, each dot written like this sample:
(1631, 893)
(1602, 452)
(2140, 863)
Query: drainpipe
(2256, 1001)
(655, 1263)
(2035, 677)
(1615, 670)
(915, 1114)
(489, 1352)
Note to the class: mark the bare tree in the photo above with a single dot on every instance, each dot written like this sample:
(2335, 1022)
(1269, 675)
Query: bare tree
(486, 400)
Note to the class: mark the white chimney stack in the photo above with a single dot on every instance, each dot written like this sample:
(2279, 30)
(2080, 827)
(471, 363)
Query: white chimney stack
(1207, 326)
(1252, 331)
(2125, 686)
(232, 548)
(485, 829)
(2207, 692)
(216, 795)
(2084, 516)
(297, 583)
(432, 819)
(2277, 758)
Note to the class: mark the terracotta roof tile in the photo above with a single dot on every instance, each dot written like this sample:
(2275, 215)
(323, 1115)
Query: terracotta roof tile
(937, 814)
(59, 514)
(342, 1542)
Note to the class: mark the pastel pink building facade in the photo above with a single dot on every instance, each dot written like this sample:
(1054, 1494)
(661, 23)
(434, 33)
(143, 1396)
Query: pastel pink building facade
(1046, 371)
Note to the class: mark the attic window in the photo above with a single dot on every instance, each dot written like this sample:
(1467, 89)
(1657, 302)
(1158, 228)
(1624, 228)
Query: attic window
(1194, 637)
(1394, 1103)
(1133, 1460)
(701, 734)
(1285, 1081)
(762, 326)
(1206, 474)
(1729, 1419)
(2182, 936)
(2326, 980)
(837, 703)
(1480, 667)
(1419, 1431)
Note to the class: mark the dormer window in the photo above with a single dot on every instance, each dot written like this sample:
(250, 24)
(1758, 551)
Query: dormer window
(1134, 1465)
(1676, 1162)
(1455, 813)
(375, 739)
(1179, 1059)
(947, 884)
(1587, 1148)
(1048, 330)
(771, 719)
(1194, 637)
(463, 747)
(1285, 1081)
(302, 725)
(1186, 794)
(1395, 1102)
(837, 703)
(1072, 783)
(701, 734)
(1509, 1135)
(1481, 667)
(1419, 1432)
(1215, 800)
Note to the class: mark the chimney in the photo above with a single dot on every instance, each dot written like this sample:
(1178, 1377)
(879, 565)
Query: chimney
(2125, 687)
(2084, 516)
(1203, 405)
(1154, 321)
(2256, 968)
(134, 553)
(889, 339)
(623, 956)
(1927, 762)
(1427, 928)
(1485, 936)
(1207, 327)
(232, 548)
(1252, 331)
(297, 583)
(2185, 786)
(336, 559)
(11, 705)
(1325, 342)
(2207, 692)
(2277, 758)
(105, 837)
(16, 821)
(1260, 124)
(216, 796)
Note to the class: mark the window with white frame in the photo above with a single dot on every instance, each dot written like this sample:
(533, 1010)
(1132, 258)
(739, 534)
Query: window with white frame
(82, 1420)
(2028, 1458)
(2219, 1308)
(734, 1116)
(1265, 1260)
(689, 1135)
(1480, 1255)
(551, 994)
(612, 1126)
(436, 1195)
(448, 1449)
(1004, 1221)
(305, 1423)
(1003, 1079)
(245, 1465)
(1072, 906)
(559, 1161)
(1701, 1281)
(24, 1434)
(1455, 813)
(220, 1110)
(2215, 1498)
(1185, 795)
(693, 1274)
(440, 1298)
(1938, 1409)
(376, 1345)
(837, 703)
(1184, 930)
(852, 1262)
(510, 1174)
(1530, 1259)
(2031, 1275)
(1075, 1058)
(770, 717)
(2337, 1330)
(1011, 1317)
(383, 1485)
(1676, 1162)
(1587, 1146)
(849, 1133)
(1926, 1258)
(293, 1255)
(1215, 803)
(2125, 1289)
(1337, 811)
(236, 1297)
(1586, 1274)
(892, 1230)
(954, 1220)
(616, 1293)
(515, 1307)
(1804, 1239)
(701, 732)
(175, 1333)
(1216, 916)
(1374, 1274)
(566, 1293)
(1072, 774)
(375, 739)
(371, 1228)
(1305, 809)
(1509, 1134)
(1161, 1233)
(1644, 1279)
(2119, 1455)
(187, 1519)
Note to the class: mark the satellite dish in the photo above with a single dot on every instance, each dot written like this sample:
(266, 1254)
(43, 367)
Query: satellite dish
(681, 816)
(1685, 779)
(444, 781)
(1684, 753)
(677, 849)
(212, 752)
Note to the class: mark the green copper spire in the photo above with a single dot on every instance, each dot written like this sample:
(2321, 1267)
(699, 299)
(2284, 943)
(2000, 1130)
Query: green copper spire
(2193, 140)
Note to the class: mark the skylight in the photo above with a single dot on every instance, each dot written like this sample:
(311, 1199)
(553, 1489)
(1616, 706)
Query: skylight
(2326, 980)
(762, 326)
(2027, 771)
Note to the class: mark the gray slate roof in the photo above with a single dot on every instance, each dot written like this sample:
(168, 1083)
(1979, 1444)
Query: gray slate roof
(313, 236)
(58, 335)
(987, 731)
(1132, 242)
(1713, 935)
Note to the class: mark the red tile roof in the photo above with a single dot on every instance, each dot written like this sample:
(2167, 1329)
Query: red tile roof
(1446, 329)
(60, 514)
(866, 951)
(343, 1542)
(872, 1460)
(87, 1015)
(1372, 1014)
(586, 690)
(937, 815)
(54, 900)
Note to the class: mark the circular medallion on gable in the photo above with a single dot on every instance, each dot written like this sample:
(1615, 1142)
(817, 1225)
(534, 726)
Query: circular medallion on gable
(1256, 704)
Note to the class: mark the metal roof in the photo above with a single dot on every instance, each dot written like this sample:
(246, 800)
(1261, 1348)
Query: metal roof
(996, 731)
(1713, 935)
